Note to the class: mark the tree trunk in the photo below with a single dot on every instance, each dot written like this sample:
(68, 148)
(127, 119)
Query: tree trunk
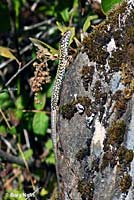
(96, 120)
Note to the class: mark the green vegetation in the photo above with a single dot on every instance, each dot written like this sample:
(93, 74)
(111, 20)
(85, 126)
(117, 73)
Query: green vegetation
(108, 5)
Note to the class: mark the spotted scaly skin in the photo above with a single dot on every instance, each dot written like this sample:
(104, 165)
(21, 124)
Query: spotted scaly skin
(63, 59)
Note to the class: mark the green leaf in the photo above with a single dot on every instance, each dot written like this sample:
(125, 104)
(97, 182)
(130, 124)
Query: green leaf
(19, 103)
(5, 101)
(65, 15)
(87, 23)
(28, 154)
(4, 96)
(43, 192)
(49, 144)
(15, 116)
(40, 123)
(50, 159)
(43, 45)
(42, 101)
(18, 114)
(49, 90)
(12, 130)
(108, 5)
(63, 29)
(3, 130)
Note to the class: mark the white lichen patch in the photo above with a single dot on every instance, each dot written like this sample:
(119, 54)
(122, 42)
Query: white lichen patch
(80, 108)
(111, 46)
(75, 96)
(108, 27)
(115, 82)
(89, 120)
(106, 106)
(98, 138)
(107, 67)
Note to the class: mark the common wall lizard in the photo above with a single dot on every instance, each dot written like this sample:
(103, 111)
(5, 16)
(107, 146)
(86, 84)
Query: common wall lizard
(63, 59)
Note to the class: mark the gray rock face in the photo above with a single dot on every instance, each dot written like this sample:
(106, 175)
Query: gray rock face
(96, 120)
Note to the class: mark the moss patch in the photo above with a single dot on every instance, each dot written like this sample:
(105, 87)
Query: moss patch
(68, 110)
(109, 159)
(125, 183)
(86, 189)
(116, 133)
(87, 76)
(82, 153)
(124, 155)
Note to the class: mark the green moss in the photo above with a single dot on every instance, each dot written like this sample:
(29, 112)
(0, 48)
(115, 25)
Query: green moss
(116, 96)
(109, 159)
(101, 36)
(82, 153)
(94, 43)
(121, 153)
(129, 156)
(121, 104)
(95, 164)
(115, 136)
(98, 54)
(87, 75)
(97, 91)
(125, 183)
(116, 133)
(68, 110)
(130, 49)
(85, 101)
(126, 73)
(116, 59)
(86, 189)
(128, 78)
(105, 162)
(121, 98)
(125, 155)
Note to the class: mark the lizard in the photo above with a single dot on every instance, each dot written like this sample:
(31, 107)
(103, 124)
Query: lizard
(63, 59)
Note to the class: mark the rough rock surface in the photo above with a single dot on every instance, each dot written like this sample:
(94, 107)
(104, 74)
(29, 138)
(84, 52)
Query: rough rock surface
(96, 120)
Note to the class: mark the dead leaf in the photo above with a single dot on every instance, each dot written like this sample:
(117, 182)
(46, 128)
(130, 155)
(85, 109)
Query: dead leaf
(42, 45)
(6, 52)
